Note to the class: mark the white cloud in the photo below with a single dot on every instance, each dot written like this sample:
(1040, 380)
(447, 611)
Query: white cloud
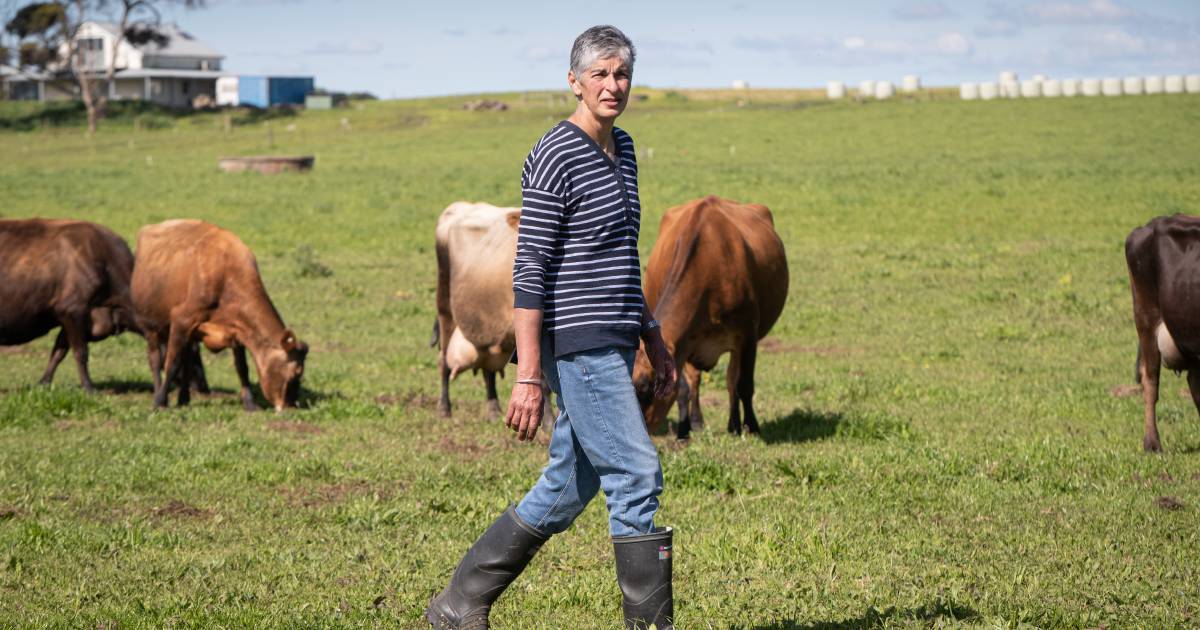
(351, 47)
(1092, 11)
(919, 10)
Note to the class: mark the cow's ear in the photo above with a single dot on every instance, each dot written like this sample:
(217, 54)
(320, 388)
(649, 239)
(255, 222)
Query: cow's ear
(514, 219)
(289, 340)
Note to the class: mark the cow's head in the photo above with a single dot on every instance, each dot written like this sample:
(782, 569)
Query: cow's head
(281, 370)
(654, 410)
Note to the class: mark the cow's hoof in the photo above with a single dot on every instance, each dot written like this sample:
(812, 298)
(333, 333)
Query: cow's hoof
(251, 406)
(1151, 446)
(443, 411)
(493, 409)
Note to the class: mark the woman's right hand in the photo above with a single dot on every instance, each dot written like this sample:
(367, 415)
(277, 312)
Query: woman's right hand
(525, 410)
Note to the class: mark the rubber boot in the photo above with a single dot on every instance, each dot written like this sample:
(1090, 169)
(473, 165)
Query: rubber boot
(492, 563)
(644, 573)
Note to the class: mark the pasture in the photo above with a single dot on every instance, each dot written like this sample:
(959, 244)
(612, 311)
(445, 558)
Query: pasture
(941, 446)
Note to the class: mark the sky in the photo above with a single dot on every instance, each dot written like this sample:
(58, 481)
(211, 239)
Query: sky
(398, 48)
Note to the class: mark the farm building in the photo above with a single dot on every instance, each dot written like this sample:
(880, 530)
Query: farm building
(261, 91)
(172, 74)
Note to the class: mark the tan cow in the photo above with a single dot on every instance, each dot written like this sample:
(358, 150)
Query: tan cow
(476, 245)
(717, 280)
(68, 274)
(195, 282)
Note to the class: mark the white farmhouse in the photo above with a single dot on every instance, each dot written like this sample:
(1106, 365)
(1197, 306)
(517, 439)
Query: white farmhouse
(173, 74)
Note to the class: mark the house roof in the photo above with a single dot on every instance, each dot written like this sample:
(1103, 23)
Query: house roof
(180, 42)
(155, 73)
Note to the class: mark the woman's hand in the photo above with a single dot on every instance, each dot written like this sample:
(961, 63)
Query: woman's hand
(664, 366)
(525, 410)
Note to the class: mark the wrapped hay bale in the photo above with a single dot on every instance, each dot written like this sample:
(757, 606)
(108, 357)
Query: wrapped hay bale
(884, 90)
(968, 91)
(1173, 84)
(1070, 87)
(1010, 89)
(1191, 83)
(866, 89)
(988, 90)
(1132, 86)
(910, 84)
(1031, 88)
(835, 90)
(1006, 78)
(1110, 86)
(1090, 87)
(1051, 88)
(1154, 84)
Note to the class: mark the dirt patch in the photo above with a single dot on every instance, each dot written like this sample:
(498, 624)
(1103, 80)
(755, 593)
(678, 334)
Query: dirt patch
(178, 509)
(330, 493)
(294, 426)
(410, 400)
(14, 350)
(448, 444)
(1126, 390)
(773, 345)
(67, 425)
(8, 512)
(1170, 504)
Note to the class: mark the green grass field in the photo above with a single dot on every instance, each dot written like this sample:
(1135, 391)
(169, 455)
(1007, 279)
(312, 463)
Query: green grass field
(941, 442)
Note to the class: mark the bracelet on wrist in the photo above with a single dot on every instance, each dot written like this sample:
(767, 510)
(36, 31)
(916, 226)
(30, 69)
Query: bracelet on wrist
(529, 381)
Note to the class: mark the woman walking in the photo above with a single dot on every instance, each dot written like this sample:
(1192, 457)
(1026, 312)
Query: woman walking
(579, 316)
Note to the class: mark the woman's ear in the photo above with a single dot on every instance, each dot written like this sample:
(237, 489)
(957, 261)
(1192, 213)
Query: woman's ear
(573, 81)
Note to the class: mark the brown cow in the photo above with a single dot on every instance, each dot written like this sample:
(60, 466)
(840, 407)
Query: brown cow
(717, 280)
(1164, 273)
(72, 274)
(195, 282)
(476, 244)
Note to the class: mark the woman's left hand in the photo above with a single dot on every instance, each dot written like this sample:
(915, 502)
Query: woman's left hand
(664, 367)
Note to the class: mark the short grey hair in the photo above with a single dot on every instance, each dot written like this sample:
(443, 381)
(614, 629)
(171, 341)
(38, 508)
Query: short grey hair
(601, 42)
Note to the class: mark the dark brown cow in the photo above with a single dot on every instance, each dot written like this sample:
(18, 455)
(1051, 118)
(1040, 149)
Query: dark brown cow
(1164, 273)
(68, 274)
(717, 280)
(195, 282)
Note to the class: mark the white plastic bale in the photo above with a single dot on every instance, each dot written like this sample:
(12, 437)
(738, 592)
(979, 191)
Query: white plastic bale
(1070, 87)
(1191, 83)
(739, 84)
(1173, 84)
(910, 83)
(866, 89)
(1132, 86)
(1090, 87)
(835, 90)
(1051, 88)
(1010, 89)
(1006, 76)
(1031, 88)
(968, 91)
(884, 90)
(1154, 84)
(988, 90)
(1110, 86)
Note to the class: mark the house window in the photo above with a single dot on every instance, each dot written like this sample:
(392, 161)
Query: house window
(186, 86)
(91, 43)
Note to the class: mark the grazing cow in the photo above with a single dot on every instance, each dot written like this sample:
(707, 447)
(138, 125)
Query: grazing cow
(194, 282)
(717, 279)
(72, 274)
(476, 245)
(1164, 273)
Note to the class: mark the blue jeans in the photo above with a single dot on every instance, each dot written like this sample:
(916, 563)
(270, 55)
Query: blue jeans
(599, 442)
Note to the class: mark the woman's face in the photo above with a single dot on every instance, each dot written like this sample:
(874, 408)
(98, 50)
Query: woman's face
(603, 88)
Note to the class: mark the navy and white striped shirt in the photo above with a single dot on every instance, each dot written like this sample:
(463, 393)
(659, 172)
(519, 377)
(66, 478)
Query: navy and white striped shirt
(577, 256)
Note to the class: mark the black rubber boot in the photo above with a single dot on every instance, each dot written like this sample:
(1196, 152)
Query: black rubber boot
(492, 563)
(644, 573)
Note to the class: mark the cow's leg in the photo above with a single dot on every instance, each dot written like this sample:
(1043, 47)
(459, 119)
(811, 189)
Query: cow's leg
(683, 429)
(1193, 379)
(76, 328)
(199, 378)
(57, 354)
(176, 351)
(745, 386)
(732, 374)
(445, 327)
(1151, 364)
(243, 374)
(695, 415)
(187, 359)
(493, 399)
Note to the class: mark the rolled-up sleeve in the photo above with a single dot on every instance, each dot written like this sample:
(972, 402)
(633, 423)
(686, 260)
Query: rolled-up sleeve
(537, 233)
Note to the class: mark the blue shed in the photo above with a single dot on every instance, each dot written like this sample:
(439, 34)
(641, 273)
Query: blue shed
(264, 92)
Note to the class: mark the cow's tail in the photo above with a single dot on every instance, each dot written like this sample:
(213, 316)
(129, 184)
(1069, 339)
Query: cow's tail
(437, 334)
